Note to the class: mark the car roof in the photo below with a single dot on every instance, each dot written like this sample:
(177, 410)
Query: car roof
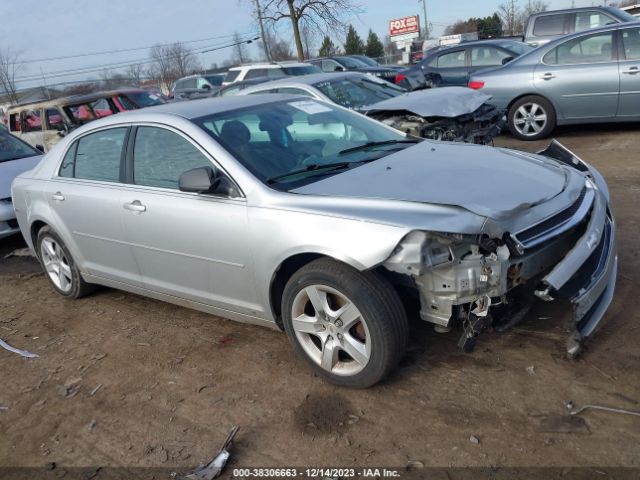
(72, 99)
(199, 108)
(271, 65)
(576, 9)
(313, 78)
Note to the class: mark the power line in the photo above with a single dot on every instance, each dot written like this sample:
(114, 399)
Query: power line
(122, 50)
(141, 61)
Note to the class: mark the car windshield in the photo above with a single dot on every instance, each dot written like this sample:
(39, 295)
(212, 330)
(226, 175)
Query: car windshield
(358, 92)
(289, 143)
(519, 48)
(144, 99)
(351, 62)
(301, 70)
(215, 80)
(12, 148)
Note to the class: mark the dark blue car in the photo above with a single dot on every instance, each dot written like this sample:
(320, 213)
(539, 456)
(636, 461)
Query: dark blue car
(452, 66)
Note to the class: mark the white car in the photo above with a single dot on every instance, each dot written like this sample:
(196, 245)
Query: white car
(16, 157)
(269, 70)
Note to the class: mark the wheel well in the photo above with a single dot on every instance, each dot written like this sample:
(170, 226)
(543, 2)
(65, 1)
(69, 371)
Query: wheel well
(287, 268)
(528, 95)
(35, 228)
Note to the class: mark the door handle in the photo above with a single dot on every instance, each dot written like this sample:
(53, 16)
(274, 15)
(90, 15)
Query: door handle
(58, 197)
(135, 206)
(548, 76)
(632, 71)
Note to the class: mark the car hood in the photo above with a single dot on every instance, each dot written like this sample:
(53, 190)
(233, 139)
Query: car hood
(11, 169)
(434, 102)
(495, 183)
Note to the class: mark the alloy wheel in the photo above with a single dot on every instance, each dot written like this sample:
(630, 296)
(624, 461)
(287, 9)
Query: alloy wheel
(331, 330)
(56, 264)
(530, 119)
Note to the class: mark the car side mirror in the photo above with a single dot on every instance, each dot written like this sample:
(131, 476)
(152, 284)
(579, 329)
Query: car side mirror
(205, 88)
(205, 180)
(197, 180)
(40, 148)
(506, 60)
(338, 69)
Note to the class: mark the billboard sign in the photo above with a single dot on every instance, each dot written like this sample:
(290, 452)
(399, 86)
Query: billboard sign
(405, 27)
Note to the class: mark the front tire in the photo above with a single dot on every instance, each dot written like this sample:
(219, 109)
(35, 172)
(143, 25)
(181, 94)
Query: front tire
(61, 270)
(532, 118)
(349, 326)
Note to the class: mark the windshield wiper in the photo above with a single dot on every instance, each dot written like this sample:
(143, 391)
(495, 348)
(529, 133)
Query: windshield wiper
(367, 145)
(319, 167)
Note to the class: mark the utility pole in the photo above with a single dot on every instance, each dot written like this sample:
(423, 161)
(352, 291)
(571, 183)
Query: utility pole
(262, 34)
(426, 21)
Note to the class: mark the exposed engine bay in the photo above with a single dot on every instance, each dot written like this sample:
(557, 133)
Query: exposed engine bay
(479, 127)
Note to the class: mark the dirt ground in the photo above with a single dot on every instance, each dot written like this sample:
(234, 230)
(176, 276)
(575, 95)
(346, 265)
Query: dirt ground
(174, 381)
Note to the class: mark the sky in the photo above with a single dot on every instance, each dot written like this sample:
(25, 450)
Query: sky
(42, 29)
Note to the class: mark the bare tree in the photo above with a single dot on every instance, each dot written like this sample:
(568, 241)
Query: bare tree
(170, 62)
(240, 54)
(511, 18)
(135, 73)
(319, 16)
(10, 66)
(530, 8)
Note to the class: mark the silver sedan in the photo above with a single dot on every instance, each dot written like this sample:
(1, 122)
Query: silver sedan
(589, 77)
(301, 215)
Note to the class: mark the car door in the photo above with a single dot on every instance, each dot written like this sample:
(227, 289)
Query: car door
(85, 196)
(187, 245)
(580, 77)
(629, 105)
(451, 68)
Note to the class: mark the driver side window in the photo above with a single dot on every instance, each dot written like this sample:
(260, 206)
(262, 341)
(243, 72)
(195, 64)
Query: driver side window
(160, 156)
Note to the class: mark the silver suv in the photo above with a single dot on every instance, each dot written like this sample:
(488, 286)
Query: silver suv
(546, 26)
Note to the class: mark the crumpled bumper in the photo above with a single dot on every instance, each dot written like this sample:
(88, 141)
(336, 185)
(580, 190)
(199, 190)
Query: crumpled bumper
(586, 276)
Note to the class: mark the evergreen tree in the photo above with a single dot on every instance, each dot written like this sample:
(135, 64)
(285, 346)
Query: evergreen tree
(353, 44)
(375, 48)
(327, 48)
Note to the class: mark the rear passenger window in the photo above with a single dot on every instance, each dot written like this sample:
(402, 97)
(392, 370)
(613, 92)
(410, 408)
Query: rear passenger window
(255, 73)
(54, 119)
(231, 75)
(161, 156)
(549, 25)
(592, 49)
(66, 168)
(589, 20)
(14, 122)
(451, 60)
(98, 155)
(32, 121)
(631, 42)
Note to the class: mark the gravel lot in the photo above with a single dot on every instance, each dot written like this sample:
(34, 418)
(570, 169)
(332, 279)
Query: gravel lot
(174, 381)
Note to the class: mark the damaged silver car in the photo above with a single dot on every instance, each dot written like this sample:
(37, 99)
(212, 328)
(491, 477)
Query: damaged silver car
(454, 114)
(305, 216)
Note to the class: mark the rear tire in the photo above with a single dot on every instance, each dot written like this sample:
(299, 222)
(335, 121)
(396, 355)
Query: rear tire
(531, 118)
(59, 266)
(349, 326)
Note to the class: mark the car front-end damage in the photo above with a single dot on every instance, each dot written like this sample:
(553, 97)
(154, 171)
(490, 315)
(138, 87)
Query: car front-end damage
(450, 114)
(491, 280)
